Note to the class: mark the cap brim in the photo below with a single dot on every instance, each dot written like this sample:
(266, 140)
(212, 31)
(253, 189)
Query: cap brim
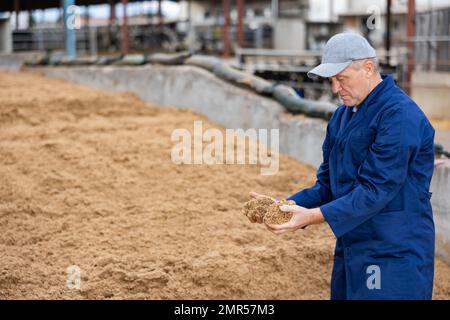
(326, 70)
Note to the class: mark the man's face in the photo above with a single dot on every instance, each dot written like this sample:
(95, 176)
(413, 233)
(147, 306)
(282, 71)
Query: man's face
(351, 85)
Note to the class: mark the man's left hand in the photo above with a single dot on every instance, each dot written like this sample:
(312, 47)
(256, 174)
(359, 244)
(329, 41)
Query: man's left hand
(301, 217)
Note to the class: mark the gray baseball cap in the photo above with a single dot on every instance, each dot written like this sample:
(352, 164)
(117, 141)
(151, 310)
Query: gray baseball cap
(340, 51)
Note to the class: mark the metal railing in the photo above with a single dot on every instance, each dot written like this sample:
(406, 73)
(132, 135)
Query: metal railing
(53, 39)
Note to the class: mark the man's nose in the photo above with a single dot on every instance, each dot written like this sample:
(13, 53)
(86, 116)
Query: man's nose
(335, 87)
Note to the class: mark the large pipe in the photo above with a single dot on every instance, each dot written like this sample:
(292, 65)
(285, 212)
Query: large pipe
(69, 28)
(124, 28)
(410, 30)
(226, 28)
(240, 23)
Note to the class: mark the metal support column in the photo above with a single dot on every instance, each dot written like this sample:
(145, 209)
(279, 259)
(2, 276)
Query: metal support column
(112, 12)
(124, 28)
(275, 9)
(69, 28)
(17, 11)
(387, 43)
(410, 29)
(240, 23)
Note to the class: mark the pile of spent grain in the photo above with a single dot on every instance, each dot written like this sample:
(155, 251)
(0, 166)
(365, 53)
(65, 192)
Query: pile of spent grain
(87, 180)
(275, 215)
(255, 209)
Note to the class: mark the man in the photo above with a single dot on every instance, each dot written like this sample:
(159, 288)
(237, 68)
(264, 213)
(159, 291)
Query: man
(373, 184)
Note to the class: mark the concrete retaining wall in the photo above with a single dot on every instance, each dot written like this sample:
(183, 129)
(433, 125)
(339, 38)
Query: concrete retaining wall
(232, 107)
(15, 61)
(440, 187)
(431, 91)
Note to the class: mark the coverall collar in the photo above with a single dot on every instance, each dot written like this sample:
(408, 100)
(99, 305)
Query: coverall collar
(363, 108)
(386, 83)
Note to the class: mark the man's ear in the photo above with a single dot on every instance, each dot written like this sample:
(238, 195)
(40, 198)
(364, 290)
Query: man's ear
(369, 68)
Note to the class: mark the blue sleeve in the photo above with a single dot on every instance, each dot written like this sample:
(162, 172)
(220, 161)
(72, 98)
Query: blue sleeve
(380, 176)
(320, 193)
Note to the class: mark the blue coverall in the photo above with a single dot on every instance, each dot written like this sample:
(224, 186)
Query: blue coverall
(373, 190)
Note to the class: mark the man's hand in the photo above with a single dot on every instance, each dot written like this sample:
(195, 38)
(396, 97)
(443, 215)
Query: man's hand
(301, 217)
(258, 195)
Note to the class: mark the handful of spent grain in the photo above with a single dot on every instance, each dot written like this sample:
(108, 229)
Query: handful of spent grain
(265, 210)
